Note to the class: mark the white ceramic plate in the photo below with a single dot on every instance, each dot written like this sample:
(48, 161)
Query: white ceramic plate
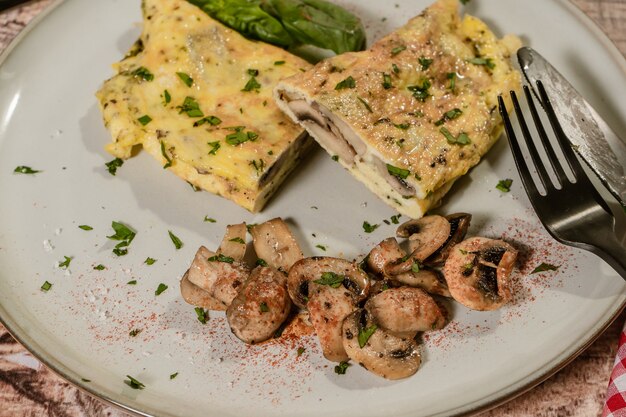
(49, 121)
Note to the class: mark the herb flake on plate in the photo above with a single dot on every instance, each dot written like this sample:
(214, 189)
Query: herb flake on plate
(175, 240)
(22, 169)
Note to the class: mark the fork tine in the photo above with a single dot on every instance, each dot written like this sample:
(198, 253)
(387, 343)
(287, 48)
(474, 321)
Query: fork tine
(568, 152)
(518, 156)
(554, 160)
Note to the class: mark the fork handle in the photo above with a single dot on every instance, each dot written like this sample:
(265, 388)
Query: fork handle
(608, 247)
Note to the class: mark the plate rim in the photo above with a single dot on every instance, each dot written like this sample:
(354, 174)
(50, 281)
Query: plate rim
(479, 406)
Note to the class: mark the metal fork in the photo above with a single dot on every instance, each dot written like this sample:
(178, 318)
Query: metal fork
(574, 213)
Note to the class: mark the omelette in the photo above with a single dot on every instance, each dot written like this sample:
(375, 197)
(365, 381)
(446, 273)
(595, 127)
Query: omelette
(197, 96)
(413, 113)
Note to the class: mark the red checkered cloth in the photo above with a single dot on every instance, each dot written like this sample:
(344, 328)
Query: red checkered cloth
(615, 403)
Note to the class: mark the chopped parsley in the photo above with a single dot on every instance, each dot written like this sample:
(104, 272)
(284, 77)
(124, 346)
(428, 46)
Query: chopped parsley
(185, 78)
(221, 258)
(365, 334)
(420, 92)
(335, 158)
(99, 267)
(341, 368)
(425, 62)
(331, 279)
(263, 307)
(347, 83)
(66, 263)
(237, 240)
(395, 51)
(461, 139)
(395, 68)
(239, 136)
(85, 227)
(175, 240)
(162, 287)
(134, 332)
(279, 62)
(113, 165)
(26, 170)
(143, 73)
(85, 380)
(46, 286)
(449, 115)
(321, 247)
(215, 146)
(209, 219)
(545, 267)
(191, 107)
(132, 282)
(123, 234)
(203, 315)
(258, 166)
(504, 185)
(415, 267)
(168, 160)
(252, 84)
(464, 1)
(149, 261)
(174, 375)
(212, 120)
(167, 98)
(369, 228)
(387, 81)
(300, 351)
(365, 103)
(395, 219)
(452, 77)
(144, 120)
(261, 262)
(488, 62)
(398, 172)
(402, 126)
(133, 383)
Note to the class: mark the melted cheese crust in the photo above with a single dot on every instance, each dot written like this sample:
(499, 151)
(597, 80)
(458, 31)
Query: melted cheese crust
(437, 47)
(179, 38)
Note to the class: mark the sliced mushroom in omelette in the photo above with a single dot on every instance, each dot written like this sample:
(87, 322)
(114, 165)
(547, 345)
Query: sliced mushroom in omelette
(198, 97)
(413, 113)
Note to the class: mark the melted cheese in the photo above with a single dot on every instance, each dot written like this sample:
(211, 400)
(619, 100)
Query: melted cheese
(178, 42)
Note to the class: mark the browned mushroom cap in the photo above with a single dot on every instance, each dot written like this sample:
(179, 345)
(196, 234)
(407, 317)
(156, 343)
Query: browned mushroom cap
(260, 307)
(382, 353)
(198, 297)
(275, 244)
(405, 311)
(426, 236)
(384, 253)
(234, 242)
(330, 288)
(477, 272)
(217, 274)
(306, 270)
(426, 279)
(459, 223)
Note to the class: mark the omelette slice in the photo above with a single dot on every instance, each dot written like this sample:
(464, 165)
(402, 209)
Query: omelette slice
(198, 97)
(413, 113)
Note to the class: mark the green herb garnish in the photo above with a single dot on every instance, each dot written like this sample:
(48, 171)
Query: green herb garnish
(461, 139)
(398, 172)
(420, 92)
(162, 287)
(488, 62)
(167, 98)
(113, 165)
(237, 240)
(449, 115)
(365, 103)
(149, 261)
(321, 247)
(425, 62)
(144, 120)
(395, 51)
(263, 307)
(252, 84)
(143, 73)
(341, 368)
(279, 62)
(185, 78)
(174, 375)
(85, 227)
(175, 240)
(504, 185)
(203, 315)
(261, 262)
(46, 286)
(452, 77)
(369, 228)
(209, 219)
(191, 107)
(212, 120)
(26, 170)
(168, 160)
(331, 279)
(215, 146)
(347, 83)
(365, 334)
(134, 332)
(99, 267)
(395, 219)
(387, 81)
(335, 158)
(545, 267)
(133, 383)
(66, 263)
(395, 68)
(132, 282)
(300, 351)
(221, 258)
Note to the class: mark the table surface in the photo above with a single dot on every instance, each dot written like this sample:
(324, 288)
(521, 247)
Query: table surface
(29, 389)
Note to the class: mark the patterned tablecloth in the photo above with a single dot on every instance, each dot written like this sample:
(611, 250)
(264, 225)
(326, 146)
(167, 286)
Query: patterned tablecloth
(29, 389)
